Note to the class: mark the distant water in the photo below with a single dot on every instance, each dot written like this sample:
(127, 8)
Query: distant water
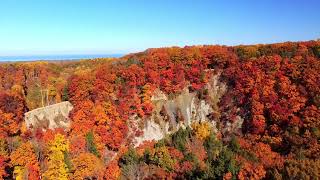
(57, 57)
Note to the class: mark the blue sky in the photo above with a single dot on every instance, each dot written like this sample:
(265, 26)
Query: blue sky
(38, 27)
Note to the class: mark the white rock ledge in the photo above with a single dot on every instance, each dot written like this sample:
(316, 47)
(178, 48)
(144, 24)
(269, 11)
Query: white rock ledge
(49, 117)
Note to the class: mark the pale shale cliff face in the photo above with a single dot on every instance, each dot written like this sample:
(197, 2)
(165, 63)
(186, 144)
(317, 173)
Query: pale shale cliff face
(171, 114)
(49, 117)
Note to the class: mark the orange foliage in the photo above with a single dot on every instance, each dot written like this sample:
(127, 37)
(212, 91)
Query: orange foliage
(87, 165)
(112, 171)
(274, 88)
(24, 157)
(250, 171)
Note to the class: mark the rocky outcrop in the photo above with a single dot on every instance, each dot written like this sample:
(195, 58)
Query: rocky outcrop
(49, 117)
(171, 114)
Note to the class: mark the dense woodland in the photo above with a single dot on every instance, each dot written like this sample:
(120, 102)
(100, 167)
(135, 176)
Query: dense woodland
(275, 88)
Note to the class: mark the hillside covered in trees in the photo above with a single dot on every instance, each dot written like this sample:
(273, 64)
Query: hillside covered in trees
(256, 115)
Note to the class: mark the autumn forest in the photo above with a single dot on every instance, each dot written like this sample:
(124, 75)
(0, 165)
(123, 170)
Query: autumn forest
(197, 112)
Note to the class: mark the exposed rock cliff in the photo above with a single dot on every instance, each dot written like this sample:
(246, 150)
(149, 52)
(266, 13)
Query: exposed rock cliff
(171, 114)
(49, 117)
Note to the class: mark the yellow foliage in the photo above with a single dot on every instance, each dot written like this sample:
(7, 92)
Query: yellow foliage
(3, 147)
(23, 128)
(59, 144)
(19, 173)
(201, 129)
(57, 168)
(162, 157)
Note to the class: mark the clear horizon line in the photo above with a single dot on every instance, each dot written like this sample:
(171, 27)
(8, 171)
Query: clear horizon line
(56, 57)
(62, 54)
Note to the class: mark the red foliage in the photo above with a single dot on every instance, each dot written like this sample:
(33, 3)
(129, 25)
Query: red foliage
(3, 165)
(12, 109)
(274, 88)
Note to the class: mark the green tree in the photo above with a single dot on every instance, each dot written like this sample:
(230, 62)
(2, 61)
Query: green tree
(91, 146)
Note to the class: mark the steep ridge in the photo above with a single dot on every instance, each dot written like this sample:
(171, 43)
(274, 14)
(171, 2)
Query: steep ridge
(200, 112)
(181, 111)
